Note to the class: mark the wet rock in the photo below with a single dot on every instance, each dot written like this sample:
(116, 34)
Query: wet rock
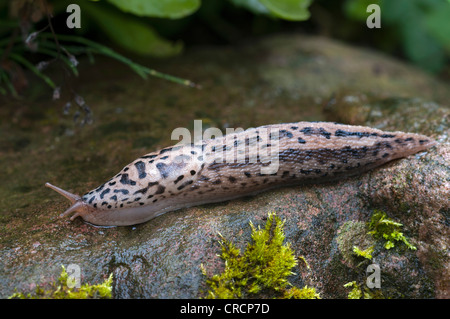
(277, 79)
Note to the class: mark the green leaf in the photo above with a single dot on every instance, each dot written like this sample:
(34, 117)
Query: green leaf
(254, 6)
(172, 9)
(437, 23)
(357, 9)
(296, 10)
(422, 49)
(131, 33)
(424, 28)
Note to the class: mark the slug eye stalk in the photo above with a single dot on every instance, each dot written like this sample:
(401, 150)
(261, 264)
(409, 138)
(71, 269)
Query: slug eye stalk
(77, 203)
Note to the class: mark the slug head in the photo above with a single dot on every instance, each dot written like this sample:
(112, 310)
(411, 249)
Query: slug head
(78, 206)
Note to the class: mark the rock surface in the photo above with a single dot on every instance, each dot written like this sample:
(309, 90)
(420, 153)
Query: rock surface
(274, 80)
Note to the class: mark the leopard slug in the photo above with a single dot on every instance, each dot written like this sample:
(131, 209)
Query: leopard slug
(236, 165)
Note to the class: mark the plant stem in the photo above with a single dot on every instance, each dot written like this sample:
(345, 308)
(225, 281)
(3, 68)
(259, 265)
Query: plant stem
(139, 69)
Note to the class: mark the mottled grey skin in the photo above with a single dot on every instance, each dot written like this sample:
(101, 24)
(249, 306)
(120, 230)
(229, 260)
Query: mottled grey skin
(233, 166)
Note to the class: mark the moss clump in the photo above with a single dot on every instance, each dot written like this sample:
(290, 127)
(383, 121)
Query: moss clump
(262, 268)
(355, 245)
(61, 290)
(303, 293)
(366, 253)
(382, 227)
(357, 293)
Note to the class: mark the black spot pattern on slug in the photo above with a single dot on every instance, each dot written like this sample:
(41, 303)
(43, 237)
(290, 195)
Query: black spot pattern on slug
(148, 156)
(312, 131)
(184, 184)
(140, 166)
(165, 150)
(123, 191)
(106, 191)
(179, 178)
(142, 191)
(301, 141)
(98, 189)
(125, 180)
(160, 190)
(163, 169)
(323, 132)
(343, 133)
(150, 184)
(286, 133)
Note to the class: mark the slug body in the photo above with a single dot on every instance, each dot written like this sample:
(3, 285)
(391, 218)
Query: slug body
(237, 165)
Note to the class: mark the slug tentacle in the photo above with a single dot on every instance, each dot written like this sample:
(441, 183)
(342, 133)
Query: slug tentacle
(72, 197)
(78, 205)
(239, 164)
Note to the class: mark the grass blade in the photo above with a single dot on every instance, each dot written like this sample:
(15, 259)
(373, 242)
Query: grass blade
(31, 67)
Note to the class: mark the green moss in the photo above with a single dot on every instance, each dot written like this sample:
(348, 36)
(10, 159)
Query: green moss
(385, 228)
(303, 293)
(366, 253)
(380, 227)
(357, 293)
(61, 290)
(262, 268)
(355, 245)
